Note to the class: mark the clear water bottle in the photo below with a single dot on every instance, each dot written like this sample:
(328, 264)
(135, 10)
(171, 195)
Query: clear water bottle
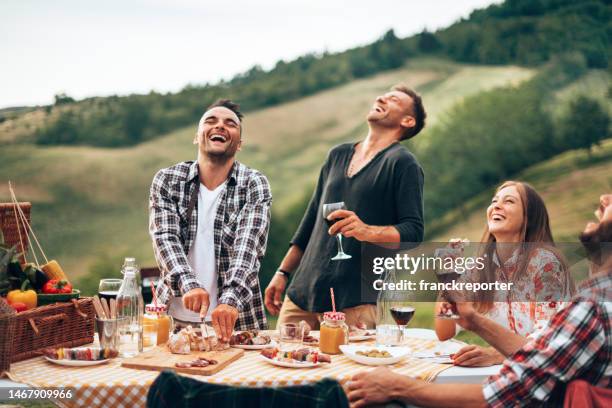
(130, 309)
(131, 263)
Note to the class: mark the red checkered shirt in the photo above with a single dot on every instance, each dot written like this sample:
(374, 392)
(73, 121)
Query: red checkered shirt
(576, 344)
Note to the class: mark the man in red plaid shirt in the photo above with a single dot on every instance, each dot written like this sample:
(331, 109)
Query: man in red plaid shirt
(577, 344)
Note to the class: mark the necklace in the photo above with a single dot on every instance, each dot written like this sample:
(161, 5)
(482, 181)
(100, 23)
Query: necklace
(351, 170)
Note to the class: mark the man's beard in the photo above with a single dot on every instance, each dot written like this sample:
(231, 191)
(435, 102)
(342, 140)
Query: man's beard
(221, 157)
(598, 243)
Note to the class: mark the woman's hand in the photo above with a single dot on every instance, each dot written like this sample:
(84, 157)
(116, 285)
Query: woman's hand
(476, 356)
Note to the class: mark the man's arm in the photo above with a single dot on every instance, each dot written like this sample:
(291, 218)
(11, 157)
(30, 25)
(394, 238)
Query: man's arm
(276, 287)
(165, 233)
(382, 385)
(249, 245)
(502, 339)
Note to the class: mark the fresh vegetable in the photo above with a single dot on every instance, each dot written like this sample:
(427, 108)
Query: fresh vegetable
(53, 270)
(7, 257)
(36, 277)
(28, 297)
(19, 306)
(57, 286)
(12, 275)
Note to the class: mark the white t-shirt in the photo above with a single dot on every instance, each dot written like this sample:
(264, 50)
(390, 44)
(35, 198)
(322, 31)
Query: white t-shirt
(202, 255)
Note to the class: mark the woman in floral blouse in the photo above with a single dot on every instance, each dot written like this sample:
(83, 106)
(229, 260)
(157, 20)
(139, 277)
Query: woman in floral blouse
(518, 248)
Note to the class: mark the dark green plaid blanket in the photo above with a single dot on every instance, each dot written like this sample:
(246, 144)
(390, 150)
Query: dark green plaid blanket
(170, 390)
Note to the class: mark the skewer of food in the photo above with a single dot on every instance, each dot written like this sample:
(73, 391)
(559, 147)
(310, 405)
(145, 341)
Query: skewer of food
(303, 355)
(80, 353)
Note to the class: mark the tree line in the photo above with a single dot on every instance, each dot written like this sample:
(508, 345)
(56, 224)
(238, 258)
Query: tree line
(527, 32)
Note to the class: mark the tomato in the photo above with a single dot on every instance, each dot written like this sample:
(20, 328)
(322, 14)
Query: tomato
(57, 286)
(19, 306)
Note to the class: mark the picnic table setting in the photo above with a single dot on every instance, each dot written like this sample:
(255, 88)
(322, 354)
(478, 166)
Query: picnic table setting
(107, 350)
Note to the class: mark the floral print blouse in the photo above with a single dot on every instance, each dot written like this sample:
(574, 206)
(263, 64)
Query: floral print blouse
(535, 297)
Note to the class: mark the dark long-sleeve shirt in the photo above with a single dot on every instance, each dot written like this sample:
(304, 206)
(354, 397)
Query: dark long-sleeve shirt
(386, 191)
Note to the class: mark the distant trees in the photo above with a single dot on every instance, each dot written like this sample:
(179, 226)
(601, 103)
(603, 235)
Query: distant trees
(584, 124)
(493, 135)
(62, 99)
(526, 32)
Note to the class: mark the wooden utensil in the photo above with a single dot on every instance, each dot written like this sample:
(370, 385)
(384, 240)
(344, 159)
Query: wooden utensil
(98, 307)
(106, 308)
(113, 308)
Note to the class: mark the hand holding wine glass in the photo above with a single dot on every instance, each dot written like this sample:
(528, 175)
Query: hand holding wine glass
(327, 210)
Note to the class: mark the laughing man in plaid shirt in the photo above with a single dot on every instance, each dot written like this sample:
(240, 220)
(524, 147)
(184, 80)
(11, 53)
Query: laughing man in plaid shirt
(576, 344)
(209, 223)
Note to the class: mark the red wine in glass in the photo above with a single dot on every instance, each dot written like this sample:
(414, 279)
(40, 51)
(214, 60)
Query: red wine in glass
(402, 315)
(108, 295)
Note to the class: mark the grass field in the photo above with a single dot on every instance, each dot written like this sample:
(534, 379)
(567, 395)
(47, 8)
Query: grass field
(90, 204)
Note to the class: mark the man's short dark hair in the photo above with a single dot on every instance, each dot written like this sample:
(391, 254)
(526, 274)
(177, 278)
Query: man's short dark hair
(418, 111)
(227, 103)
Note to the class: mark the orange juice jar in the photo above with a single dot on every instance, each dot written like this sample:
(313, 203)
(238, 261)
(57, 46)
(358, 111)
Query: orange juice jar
(164, 322)
(334, 332)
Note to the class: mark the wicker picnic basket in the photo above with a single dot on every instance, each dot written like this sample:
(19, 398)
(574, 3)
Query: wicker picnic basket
(7, 333)
(12, 229)
(66, 324)
(24, 335)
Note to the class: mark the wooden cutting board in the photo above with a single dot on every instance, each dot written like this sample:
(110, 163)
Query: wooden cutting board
(160, 358)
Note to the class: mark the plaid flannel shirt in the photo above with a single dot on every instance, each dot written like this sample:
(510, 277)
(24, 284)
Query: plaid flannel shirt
(240, 234)
(576, 344)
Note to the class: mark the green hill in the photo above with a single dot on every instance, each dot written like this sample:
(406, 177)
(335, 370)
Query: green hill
(570, 185)
(90, 204)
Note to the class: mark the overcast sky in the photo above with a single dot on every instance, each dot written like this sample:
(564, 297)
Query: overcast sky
(87, 48)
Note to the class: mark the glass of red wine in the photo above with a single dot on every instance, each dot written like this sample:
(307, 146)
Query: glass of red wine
(446, 276)
(402, 316)
(108, 288)
(328, 209)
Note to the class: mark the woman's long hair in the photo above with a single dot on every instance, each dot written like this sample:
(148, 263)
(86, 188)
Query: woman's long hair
(535, 234)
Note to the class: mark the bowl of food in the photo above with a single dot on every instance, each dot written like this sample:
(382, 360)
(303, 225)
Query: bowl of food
(374, 355)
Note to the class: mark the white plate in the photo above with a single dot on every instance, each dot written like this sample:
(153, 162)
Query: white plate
(362, 337)
(255, 346)
(397, 354)
(76, 363)
(442, 350)
(287, 364)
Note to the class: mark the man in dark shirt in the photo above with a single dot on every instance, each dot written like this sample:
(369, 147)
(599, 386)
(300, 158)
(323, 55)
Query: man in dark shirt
(381, 184)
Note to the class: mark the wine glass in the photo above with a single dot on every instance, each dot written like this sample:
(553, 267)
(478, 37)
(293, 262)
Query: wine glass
(108, 288)
(402, 316)
(328, 209)
(446, 276)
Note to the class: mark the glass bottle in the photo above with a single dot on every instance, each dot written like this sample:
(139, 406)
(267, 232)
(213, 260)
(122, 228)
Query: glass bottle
(130, 314)
(334, 332)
